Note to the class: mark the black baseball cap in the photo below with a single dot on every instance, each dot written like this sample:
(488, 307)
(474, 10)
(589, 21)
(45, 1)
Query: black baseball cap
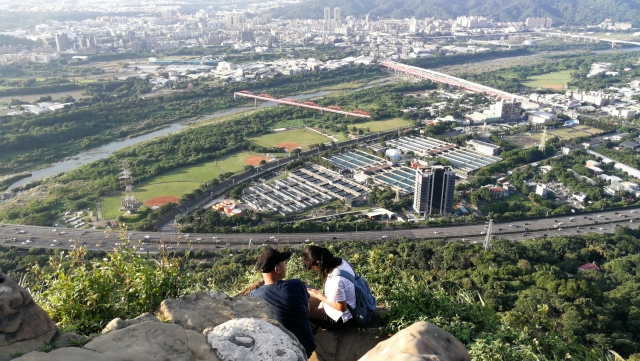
(270, 258)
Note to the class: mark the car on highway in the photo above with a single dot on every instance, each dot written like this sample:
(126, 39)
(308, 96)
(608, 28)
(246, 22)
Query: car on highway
(601, 228)
(307, 240)
(199, 239)
(436, 232)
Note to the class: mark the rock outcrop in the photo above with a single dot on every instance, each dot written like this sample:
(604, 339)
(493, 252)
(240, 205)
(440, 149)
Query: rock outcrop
(118, 323)
(344, 345)
(201, 310)
(421, 341)
(208, 327)
(24, 326)
(146, 338)
(250, 339)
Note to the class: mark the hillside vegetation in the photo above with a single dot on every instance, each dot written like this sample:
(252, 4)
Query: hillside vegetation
(518, 301)
(564, 12)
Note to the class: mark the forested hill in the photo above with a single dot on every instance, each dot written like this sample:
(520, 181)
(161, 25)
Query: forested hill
(564, 12)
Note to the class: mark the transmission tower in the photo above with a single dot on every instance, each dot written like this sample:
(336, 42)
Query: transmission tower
(489, 236)
(129, 203)
(543, 141)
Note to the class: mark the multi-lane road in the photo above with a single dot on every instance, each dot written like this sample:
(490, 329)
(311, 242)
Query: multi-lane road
(49, 237)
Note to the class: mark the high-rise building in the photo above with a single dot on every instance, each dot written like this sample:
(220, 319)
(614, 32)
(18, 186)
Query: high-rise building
(87, 42)
(434, 190)
(413, 26)
(508, 109)
(337, 20)
(62, 42)
(327, 17)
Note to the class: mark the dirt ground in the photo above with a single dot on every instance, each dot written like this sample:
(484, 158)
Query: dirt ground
(288, 145)
(255, 159)
(159, 201)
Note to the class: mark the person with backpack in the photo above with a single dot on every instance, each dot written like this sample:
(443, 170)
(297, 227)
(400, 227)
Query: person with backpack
(339, 305)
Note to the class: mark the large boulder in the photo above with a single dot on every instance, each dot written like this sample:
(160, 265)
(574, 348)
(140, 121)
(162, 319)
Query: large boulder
(250, 339)
(24, 326)
(146, 338)
(344, 345)
(421, 341)
(147, 341)
(201, 310)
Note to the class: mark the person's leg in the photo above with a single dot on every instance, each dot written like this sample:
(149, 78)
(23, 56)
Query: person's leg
(318, 317)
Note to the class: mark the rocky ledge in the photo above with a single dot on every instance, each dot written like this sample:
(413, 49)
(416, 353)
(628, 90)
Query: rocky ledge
(204, 326)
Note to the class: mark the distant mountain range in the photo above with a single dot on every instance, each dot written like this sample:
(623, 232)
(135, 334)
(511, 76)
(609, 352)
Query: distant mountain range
(564, 12)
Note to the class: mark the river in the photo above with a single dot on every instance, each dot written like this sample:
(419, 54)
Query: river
(624, 50)
(106, 150)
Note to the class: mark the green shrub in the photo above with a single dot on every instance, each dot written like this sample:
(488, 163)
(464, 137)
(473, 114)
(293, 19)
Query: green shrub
(87, 294)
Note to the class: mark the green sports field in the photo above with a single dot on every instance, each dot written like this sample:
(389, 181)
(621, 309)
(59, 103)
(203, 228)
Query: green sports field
(291, 139)
(569, 132)
(555, 80)
(382, 125)
(177, 182)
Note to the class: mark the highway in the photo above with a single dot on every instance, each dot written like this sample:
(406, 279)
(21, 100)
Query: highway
(49, 237)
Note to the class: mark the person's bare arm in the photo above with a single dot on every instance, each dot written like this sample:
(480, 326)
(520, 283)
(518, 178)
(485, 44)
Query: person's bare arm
(340, 306)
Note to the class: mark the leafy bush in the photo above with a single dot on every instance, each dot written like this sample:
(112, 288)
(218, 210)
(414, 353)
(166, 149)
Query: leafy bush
(86, 294)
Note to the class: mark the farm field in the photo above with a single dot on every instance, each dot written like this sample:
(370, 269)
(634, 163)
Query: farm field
(382, 125)
(76, 94)
(290, 139)
(172, 185)
(555, 80)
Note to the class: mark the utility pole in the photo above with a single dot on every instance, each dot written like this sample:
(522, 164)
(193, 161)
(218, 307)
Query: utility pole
(489, 236)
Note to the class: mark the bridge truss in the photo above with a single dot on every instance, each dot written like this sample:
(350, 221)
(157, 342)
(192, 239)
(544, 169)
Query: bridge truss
(438, 77)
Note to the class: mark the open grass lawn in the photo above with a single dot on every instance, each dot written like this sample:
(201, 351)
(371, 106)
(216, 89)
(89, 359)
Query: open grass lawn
(176, 182)
(301, 137)
(569, 132)
(520, 199)
(292, 123)
(382, 125)
(555, 80)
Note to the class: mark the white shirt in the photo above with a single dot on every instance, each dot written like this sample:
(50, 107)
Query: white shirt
(338, 289)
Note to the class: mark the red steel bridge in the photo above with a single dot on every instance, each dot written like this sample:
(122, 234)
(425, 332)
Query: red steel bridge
(437, 77)
(309, 105)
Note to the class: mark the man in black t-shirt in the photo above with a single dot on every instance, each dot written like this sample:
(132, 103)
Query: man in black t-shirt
(289, 299)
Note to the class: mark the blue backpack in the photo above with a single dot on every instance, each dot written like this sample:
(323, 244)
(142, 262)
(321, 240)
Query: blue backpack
(365, 302)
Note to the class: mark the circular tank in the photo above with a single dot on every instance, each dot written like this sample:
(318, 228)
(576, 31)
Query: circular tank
(394, 155)
(236, 212)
